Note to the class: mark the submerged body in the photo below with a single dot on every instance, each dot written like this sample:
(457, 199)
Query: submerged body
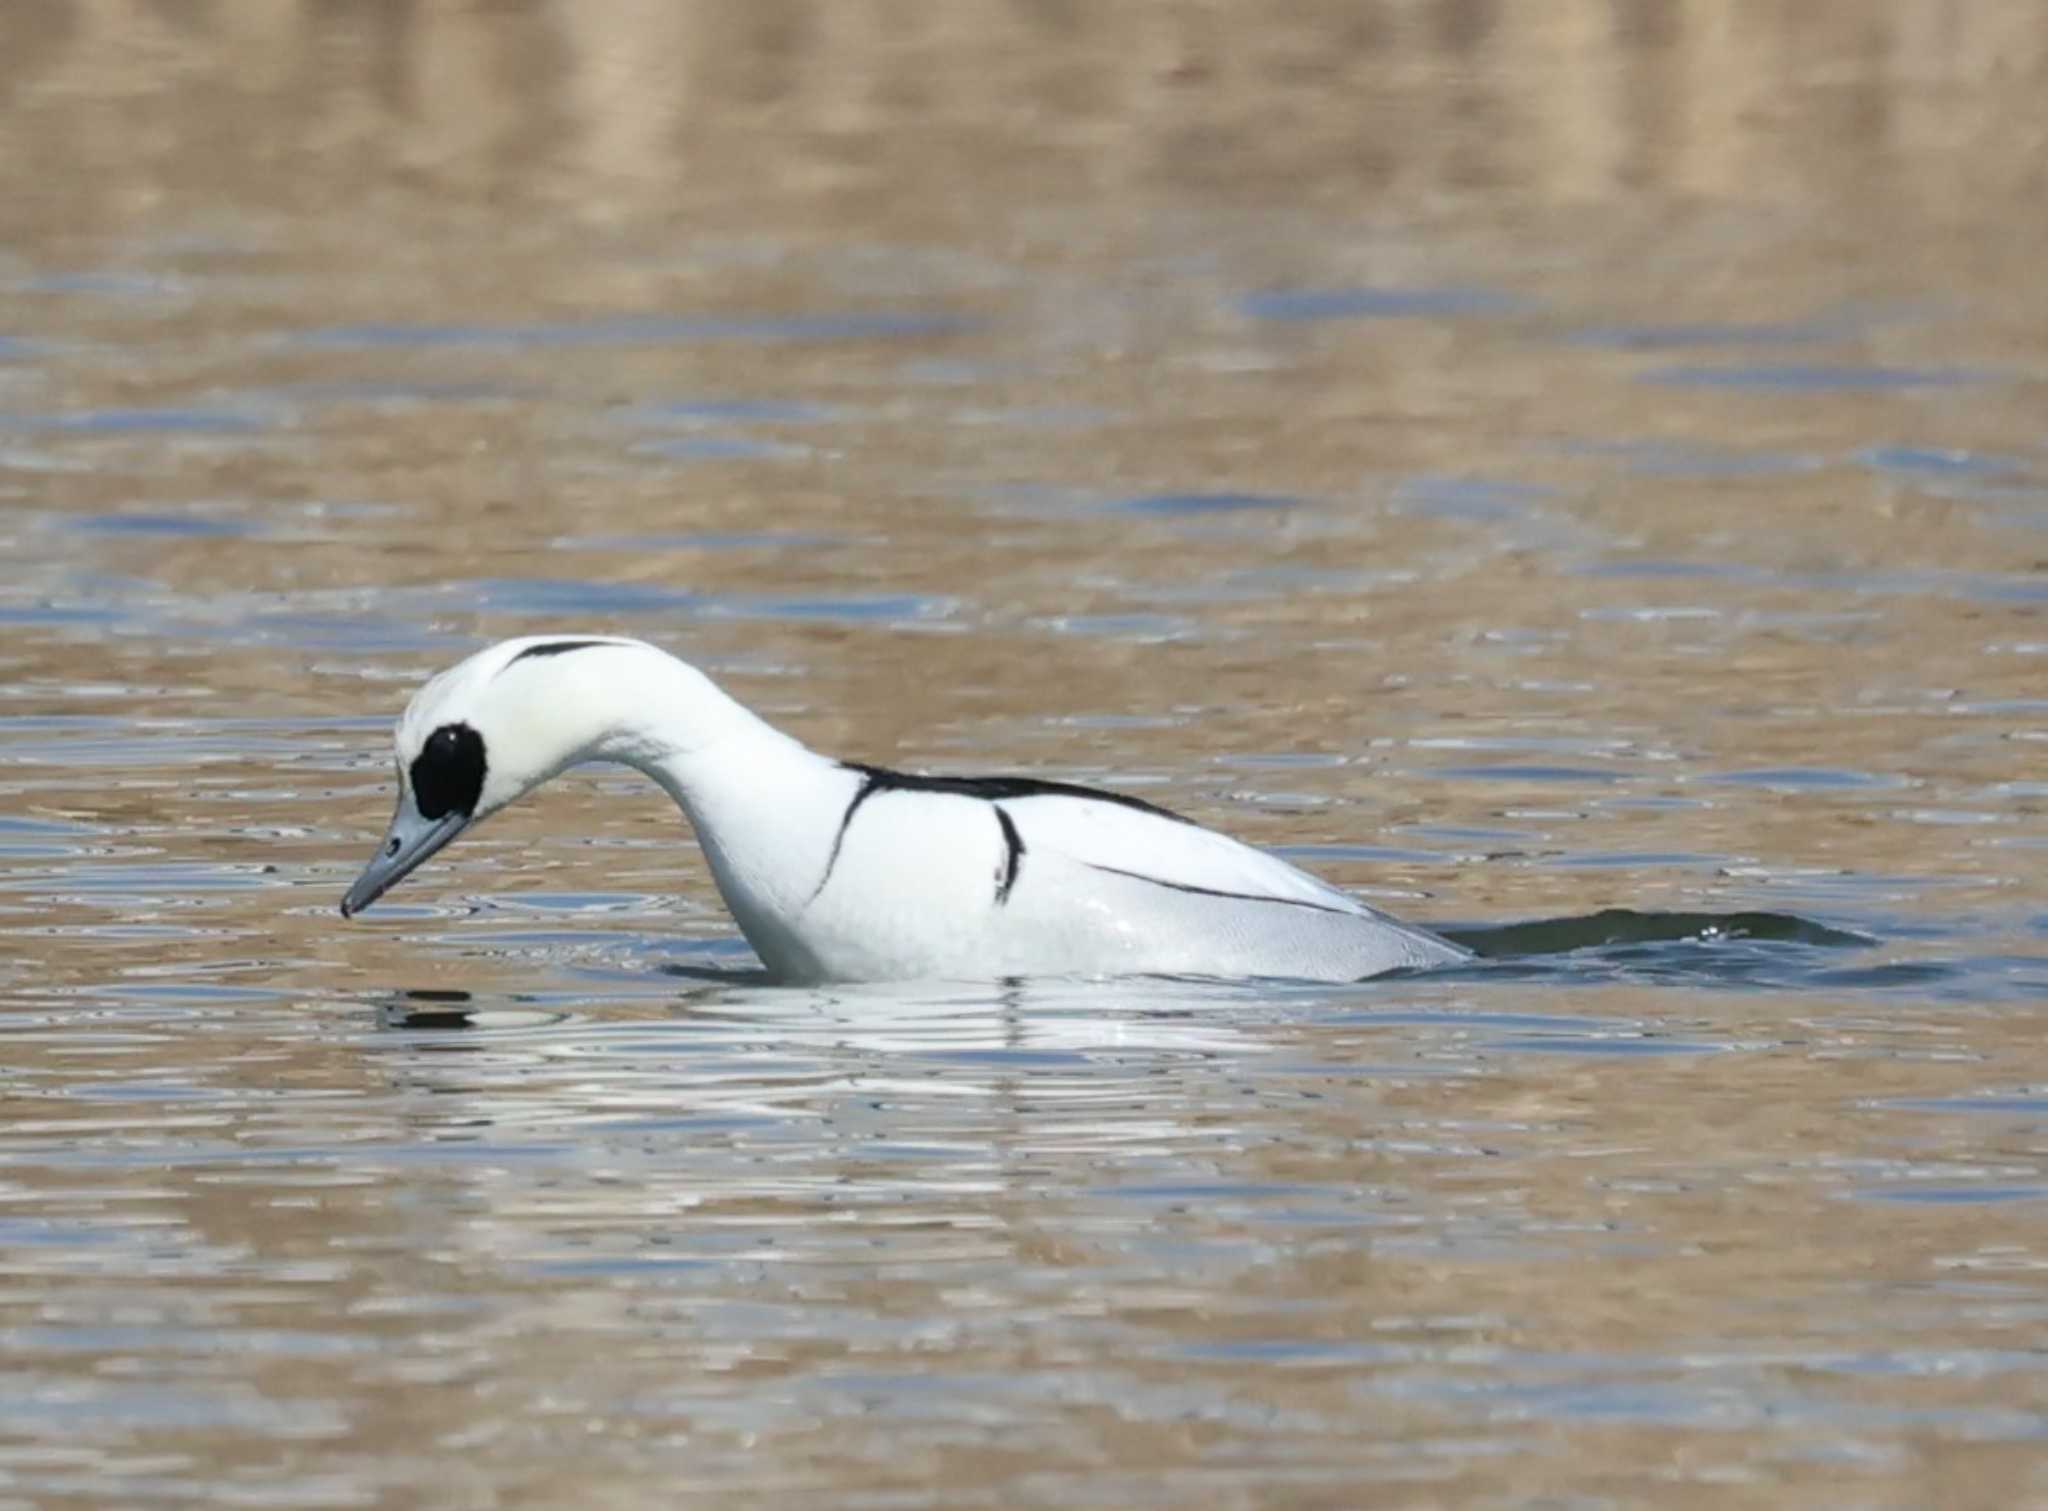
(842, 872)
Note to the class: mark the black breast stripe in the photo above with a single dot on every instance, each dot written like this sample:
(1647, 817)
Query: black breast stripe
(868, 788)
(1013, 856)
(1181, 886)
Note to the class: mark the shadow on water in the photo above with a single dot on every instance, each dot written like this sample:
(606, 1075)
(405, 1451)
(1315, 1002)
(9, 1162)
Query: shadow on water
(1625, 926)
(1695, 949)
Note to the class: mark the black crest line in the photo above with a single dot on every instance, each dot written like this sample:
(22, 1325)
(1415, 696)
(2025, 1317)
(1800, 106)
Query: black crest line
(557, 648)
(989, 789)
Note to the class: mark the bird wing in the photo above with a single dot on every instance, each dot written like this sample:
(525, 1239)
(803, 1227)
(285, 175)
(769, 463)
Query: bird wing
(1152, 846)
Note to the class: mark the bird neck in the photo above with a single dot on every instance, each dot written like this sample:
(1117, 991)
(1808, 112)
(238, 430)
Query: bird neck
(666, 718)
(763, 804)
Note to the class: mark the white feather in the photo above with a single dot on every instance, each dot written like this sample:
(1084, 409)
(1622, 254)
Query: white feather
(1172, 850)
(844, 873)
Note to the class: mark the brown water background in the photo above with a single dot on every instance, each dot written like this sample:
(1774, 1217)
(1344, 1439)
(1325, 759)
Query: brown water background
(1517, 459)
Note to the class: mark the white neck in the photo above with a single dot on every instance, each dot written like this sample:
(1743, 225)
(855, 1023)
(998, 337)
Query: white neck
(763, 804)
(644, 708)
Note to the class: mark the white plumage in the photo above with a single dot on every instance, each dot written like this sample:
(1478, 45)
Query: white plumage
(842, 872)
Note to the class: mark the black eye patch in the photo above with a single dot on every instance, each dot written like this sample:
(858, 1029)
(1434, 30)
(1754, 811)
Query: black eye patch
(448, 773)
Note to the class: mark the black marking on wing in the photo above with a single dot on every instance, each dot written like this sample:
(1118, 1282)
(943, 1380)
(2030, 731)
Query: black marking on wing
(996, 789)
(993, 790)
(1181, 886)
(557, 648)
(1013, 856)
(868, 788)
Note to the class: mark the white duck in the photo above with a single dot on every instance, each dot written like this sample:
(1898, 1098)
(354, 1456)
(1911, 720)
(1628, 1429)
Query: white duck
(842, 872)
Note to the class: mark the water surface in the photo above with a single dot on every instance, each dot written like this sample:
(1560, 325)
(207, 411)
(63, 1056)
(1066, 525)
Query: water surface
(1521, 462)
